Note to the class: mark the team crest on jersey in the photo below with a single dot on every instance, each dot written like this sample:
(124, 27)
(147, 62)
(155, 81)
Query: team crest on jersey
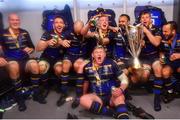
(166, 45)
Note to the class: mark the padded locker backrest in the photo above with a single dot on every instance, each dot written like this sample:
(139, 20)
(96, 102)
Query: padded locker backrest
(49, 15)
(157, 14)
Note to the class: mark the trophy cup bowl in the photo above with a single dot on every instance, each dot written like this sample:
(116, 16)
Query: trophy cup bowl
(135, 36)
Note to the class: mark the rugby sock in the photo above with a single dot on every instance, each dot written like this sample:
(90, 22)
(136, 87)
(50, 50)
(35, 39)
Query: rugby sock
(97, 108)
(79, 84)
(35, 82)
(168, 85)
(18, 85)
(158, 83)
(64, 82)
(121, 112)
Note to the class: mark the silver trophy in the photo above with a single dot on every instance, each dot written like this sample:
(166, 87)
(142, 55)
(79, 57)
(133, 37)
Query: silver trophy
(135, 38)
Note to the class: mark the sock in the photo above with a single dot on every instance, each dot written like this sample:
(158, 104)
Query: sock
(64, 82)
(44, 80)
(18, 95)
(79, 84)
(121, 112)
(18, 85)
(168, 85)
(35, 83)
(158, 83)
(97, 108)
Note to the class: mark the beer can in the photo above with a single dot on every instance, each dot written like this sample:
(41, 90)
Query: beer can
(163, 59)
(55, 37)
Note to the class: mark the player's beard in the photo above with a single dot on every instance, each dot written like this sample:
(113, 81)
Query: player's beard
(169, 36)
(123, 27)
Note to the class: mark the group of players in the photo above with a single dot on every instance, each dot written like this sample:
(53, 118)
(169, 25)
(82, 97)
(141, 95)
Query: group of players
(104, 73)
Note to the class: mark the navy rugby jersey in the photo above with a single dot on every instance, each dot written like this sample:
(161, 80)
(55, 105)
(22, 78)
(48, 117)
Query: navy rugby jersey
(109, 47)
(78, 45)
(51, 51)
(149, 48)
(108, 73)
(12, 47)
(121, 45)
(170, 47)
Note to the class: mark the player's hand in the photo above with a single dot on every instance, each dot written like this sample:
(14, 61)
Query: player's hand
(66, 43)
(3, 62)
(174, 56)
(51, 42)
(143, 43)
(117, 92)
(145, 30)
(28, 50)
(114, 29)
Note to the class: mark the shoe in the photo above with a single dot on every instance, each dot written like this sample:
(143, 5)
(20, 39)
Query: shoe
(75, 103)
(13, 102)
(128, 96)
(6, 105)
(45, 92)
(168, 97)
(176, 94)
(61, 100)
(139, 112)
(130, 106)
(22, 107)
(39, 98)
(157, 105)
(71, 116)
(1, 113)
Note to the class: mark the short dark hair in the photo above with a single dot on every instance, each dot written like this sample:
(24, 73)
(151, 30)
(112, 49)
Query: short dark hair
(173, 25)
(125, 15)
(144, 12)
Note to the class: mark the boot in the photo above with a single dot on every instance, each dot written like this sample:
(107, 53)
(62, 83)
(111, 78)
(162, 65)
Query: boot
(39, 98)
(75, 103)
(168, 97)
(157, 100)
(21, 102)
(61, 100)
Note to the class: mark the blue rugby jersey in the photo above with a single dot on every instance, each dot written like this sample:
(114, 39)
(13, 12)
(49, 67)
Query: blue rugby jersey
(166, 46)
(12, 47)
(121, 46)
(149, 48)
(108, 73)
(51, 51)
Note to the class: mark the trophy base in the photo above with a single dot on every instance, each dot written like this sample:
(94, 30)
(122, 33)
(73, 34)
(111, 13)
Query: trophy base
(136, 64)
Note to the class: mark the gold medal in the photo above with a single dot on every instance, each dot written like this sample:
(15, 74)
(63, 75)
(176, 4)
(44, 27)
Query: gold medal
(98, 82)
(17, 45)
(15, 37)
